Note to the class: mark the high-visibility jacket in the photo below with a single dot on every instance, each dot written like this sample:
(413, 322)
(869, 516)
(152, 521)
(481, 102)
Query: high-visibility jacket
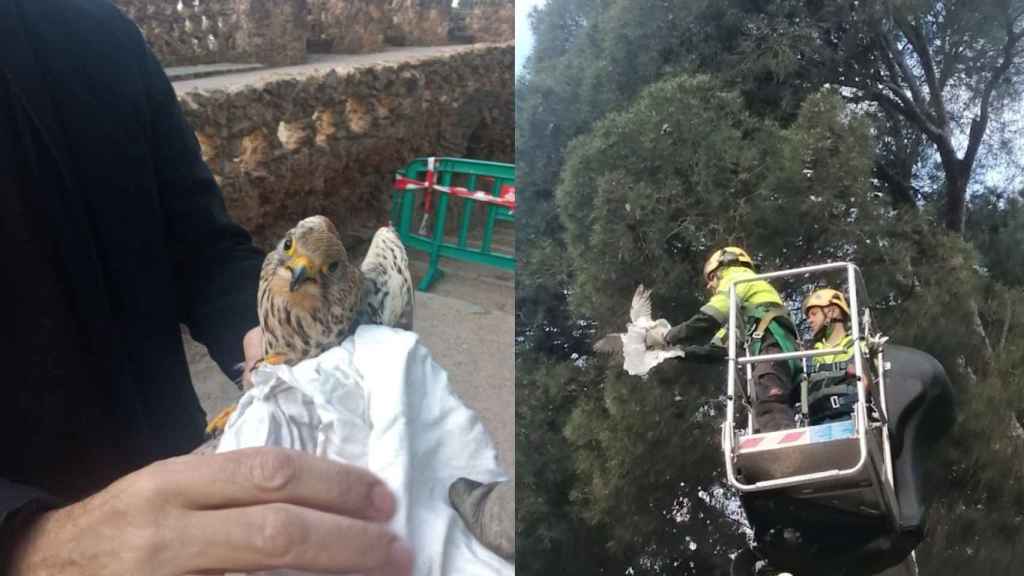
(757, 300)
(751, 295)
(760, 308)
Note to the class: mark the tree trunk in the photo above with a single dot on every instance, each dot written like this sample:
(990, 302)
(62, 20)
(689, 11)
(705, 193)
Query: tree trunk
(985, 357)
(957, 175)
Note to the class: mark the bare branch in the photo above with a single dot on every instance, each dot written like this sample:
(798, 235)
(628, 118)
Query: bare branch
(913, 108)
(949, 62)
(1006, 323)
(887, 60)
(985, 348)
(915, 35)
(980, 122)
(901, 62)
(905, 107)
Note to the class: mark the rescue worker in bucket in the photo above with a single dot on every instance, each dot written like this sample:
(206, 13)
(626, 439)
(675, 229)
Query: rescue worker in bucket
(831, 388)
(768, 324)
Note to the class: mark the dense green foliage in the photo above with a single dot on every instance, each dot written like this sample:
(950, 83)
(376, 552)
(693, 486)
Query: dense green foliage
(650, 132)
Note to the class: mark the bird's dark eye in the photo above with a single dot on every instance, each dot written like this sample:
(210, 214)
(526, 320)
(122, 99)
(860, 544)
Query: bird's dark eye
(333, 267)
(287, 244)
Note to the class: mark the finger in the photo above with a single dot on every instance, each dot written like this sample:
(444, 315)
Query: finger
(255, 476)
(252, 350)
(276, 536)
(247, 375)
(252, 345)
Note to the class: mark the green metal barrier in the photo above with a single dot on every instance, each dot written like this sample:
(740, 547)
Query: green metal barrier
(430, 182)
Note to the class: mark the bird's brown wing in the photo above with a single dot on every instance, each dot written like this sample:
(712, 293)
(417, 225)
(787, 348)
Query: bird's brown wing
(387, 284)
(269, 321)
(610, 344)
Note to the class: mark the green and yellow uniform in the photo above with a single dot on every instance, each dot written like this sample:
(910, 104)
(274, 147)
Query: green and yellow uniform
(831, 384)
(768, 322)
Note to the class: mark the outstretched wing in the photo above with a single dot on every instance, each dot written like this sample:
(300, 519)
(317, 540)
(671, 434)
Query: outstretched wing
(387, 284)
(641, 306)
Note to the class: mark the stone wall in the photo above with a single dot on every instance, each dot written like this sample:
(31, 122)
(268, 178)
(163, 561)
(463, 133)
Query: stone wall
(329, 142)
(420, 22)
(490, 22)
(183, 32)
(205, 31)
(280, 32)
(348, 26)
(273, 32)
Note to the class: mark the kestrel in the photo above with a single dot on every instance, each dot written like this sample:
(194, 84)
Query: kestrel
(311, 297)
(630, 345)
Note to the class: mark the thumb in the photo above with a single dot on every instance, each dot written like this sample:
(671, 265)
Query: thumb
(252, 349)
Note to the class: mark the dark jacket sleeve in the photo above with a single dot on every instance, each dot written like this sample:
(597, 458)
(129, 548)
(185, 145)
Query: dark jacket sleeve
(216, 264)
(19, 505)
(698, 330)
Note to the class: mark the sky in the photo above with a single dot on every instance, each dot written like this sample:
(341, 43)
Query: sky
(524, 36)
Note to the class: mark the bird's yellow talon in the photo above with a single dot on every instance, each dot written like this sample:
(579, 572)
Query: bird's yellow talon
(220, 421)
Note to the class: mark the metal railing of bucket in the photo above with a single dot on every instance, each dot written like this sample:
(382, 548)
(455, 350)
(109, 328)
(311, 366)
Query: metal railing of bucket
(430, 180)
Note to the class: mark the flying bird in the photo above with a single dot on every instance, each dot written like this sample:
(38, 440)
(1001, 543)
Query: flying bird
(311, 297)
(631, 344)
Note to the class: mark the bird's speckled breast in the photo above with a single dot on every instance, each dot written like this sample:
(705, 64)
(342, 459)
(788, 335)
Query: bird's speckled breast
(302, 324)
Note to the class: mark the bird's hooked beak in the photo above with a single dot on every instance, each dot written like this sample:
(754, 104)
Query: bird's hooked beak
(300, 267)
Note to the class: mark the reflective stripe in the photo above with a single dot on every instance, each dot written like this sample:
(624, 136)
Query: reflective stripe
(832, 366)
(819, 375)
(846, 343)
(829, 376)
(831, 390)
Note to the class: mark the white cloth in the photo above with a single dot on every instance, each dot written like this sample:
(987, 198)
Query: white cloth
(380, 401)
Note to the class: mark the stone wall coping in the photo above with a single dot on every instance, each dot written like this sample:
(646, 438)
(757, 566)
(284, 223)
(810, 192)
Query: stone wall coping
(323, 64)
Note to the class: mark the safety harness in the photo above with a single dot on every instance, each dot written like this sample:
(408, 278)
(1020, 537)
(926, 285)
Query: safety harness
(831, 389)
(769, 318)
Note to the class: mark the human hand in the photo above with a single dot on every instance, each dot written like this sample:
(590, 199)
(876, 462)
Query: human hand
(240, 511)
(252, 349)
(675, 334)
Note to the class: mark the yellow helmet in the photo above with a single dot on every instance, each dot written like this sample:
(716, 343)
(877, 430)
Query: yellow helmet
(825, 297)
(725, 257)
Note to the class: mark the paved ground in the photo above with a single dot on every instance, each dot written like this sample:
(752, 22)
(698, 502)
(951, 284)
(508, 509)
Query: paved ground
(316, 63)
(203, 70)
(467, 322)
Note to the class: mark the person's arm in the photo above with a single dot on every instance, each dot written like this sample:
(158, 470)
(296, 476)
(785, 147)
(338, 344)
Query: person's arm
(702, 326)
(217, 266)
(241, 511)
(712, 317)
(698, 330)
(20, 504)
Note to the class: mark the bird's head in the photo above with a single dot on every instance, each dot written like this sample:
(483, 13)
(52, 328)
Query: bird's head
(310, 256)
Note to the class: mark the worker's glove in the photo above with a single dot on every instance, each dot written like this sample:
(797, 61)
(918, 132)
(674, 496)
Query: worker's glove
(655, 337)
(675, 335)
